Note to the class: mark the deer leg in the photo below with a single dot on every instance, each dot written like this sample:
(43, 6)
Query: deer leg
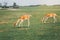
(45, 19)
(54, 19)
(28, 23)
(17, 21)
(20, 23)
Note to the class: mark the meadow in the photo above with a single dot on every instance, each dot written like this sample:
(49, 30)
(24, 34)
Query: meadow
(37, 29)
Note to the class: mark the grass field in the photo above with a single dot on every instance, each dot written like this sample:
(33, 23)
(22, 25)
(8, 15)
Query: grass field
(36, 31)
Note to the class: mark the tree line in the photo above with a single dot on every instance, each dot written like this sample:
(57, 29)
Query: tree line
(5, 5)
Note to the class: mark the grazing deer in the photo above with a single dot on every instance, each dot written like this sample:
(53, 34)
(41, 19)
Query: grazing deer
(22, 19)
(48, 15)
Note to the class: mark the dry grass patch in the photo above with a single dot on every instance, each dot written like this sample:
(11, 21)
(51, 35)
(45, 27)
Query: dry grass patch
(1, 30)
(2, 22)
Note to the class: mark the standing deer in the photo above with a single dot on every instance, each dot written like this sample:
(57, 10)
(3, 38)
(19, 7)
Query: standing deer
(22, 19)
(49, 15)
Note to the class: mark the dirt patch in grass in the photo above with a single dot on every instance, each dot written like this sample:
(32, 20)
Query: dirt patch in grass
(1, 30)
(2, 22)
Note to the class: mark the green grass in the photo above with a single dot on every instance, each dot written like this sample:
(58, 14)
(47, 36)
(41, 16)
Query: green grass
(36, 31)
